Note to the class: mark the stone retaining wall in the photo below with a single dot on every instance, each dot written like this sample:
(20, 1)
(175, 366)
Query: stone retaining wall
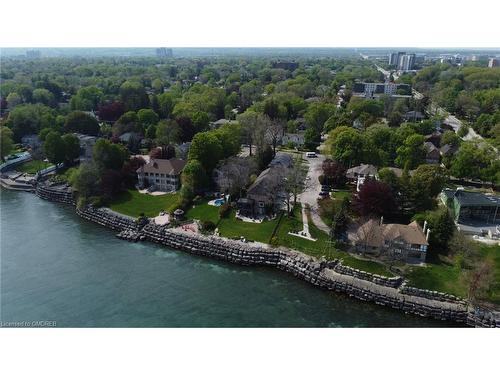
(431, 294)
(329, 275)
(393, 282)
(101, 217)
(55, 193)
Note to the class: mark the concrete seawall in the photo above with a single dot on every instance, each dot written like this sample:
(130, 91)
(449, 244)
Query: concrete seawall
(331, 275)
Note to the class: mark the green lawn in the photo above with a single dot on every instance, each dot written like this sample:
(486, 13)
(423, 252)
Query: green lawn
(321, 247)
(492, 253)
(448, 278)
(203, 211)
(33, 166)
(231, 227)
(341, 193)
(440, 277)
(133, 203)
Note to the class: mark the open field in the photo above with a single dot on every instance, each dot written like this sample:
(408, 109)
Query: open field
(133, 203)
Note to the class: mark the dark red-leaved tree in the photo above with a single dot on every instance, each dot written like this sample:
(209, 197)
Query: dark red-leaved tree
(334, 173)
(111, 111)
(111, 182)
(156, 153)
(375, 198)
(163, 152)
(187, 128)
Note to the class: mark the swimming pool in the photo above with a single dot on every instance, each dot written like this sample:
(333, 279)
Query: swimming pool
(219, 202)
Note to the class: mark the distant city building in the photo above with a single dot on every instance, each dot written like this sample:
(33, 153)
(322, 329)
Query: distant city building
(402, 60)
(450, 59)
(395, 57)
(493, 62)
(33, 54)
(164, 52)
(406, 62)
(369, 89)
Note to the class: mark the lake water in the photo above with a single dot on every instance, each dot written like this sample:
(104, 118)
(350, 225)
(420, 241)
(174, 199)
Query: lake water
(58, 267)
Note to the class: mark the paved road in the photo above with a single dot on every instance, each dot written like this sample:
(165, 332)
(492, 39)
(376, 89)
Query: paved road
(456, 124)
(386, 73)
(311, 191)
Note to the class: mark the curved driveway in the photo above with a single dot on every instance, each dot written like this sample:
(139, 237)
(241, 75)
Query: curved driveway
(311, 191)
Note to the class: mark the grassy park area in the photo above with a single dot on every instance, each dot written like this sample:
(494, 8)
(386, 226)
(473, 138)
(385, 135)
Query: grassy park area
(133, 203)
(33, 166)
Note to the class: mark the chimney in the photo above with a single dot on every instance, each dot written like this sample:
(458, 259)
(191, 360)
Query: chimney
(427, 236)
(381, 220)
(425, 225)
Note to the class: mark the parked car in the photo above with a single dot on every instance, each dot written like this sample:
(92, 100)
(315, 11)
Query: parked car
(311, 155)
(324, 194)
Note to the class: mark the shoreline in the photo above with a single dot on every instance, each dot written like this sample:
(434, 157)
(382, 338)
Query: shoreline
(331, 275)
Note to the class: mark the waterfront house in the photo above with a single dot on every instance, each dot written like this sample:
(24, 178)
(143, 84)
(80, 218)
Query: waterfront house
(161, 174)
(472, 207)
(266, 195)
(395, 241)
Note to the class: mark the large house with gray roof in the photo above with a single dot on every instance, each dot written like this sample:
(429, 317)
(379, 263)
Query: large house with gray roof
(472, 207)
(266, 195)
(395, 241)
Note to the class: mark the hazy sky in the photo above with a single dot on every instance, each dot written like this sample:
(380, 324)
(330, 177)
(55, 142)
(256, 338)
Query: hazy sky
(255, 23)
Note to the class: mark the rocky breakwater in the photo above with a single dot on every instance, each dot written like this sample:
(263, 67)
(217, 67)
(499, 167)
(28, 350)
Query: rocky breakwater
(431, 294)
(309, 269)
(393, 282)
(61, 192)
(105, 218)
(330, 275)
